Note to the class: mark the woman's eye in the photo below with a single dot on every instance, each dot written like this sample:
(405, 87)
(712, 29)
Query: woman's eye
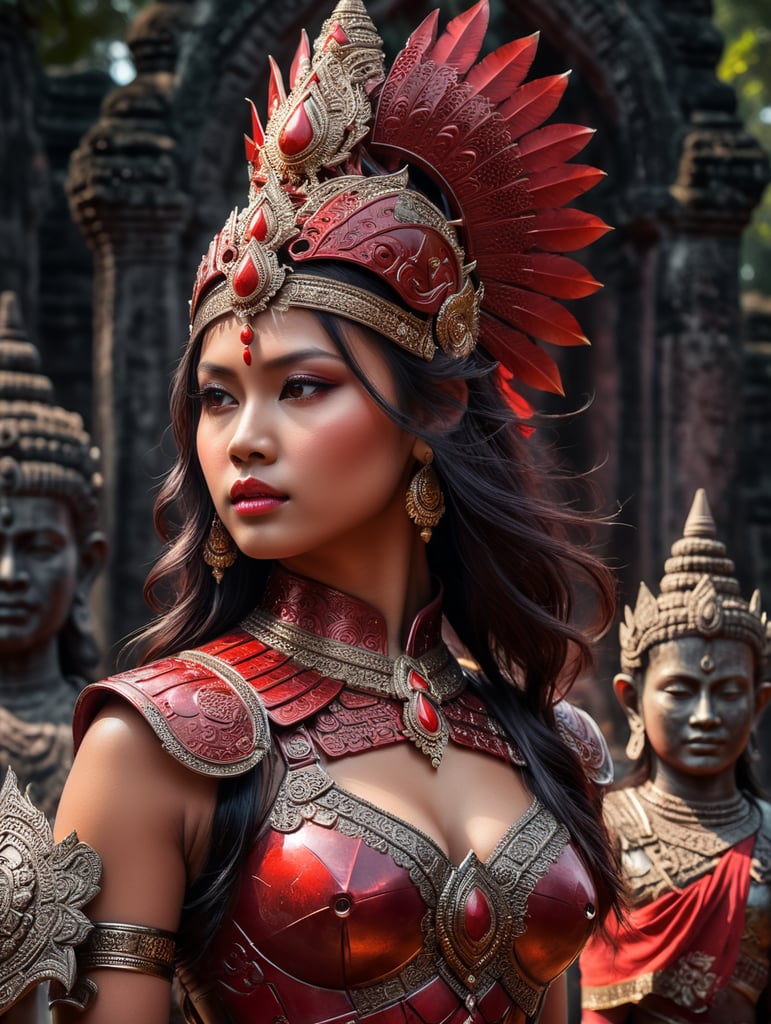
(304, 387)
(212, 397)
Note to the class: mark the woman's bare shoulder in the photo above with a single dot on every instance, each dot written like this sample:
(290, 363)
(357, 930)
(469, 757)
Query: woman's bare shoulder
(147, 816)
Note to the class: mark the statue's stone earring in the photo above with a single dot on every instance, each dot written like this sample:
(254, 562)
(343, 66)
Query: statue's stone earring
(425, 501)
(219, 551)
(636, 742)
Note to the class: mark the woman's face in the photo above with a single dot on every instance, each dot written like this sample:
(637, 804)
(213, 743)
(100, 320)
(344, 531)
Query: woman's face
(301, 463)
(698, 704)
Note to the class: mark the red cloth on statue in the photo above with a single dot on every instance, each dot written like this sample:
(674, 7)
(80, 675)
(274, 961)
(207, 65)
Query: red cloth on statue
(683, 945)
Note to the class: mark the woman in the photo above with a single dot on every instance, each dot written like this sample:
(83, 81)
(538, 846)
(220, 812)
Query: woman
(694, 837)
(350, 824)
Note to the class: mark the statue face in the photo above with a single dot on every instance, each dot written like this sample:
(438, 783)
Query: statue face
(38, 571)
(698, 704)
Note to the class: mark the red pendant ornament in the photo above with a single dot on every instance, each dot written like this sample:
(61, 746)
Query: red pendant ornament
(470, 928)
(247, 337)
(424, 721)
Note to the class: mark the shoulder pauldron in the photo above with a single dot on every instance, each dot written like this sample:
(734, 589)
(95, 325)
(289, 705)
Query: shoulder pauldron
(212, 707)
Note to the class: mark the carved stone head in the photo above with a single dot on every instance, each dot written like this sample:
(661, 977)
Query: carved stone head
(50, 545)
(693, 659)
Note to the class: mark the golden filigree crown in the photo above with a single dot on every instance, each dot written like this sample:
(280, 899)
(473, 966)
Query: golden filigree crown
(331, 180)
(699, 596)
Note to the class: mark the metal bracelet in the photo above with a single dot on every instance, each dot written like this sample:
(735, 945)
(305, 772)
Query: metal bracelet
(128, 947)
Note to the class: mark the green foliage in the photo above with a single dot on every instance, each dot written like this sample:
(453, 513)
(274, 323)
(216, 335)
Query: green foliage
(746, 65)
(81, 31)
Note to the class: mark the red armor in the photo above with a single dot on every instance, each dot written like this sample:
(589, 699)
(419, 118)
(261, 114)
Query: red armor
(343, 911)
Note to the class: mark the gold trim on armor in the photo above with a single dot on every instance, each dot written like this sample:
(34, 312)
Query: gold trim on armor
(523, 855)
(439, 676)
(129, 947)
(362, 670)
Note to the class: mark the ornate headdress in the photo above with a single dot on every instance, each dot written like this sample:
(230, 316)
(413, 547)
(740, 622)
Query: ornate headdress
(44, 449)
(699, 596)
(330, 180)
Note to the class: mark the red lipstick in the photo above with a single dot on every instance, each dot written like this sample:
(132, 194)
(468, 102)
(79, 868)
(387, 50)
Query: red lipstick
(252, 497)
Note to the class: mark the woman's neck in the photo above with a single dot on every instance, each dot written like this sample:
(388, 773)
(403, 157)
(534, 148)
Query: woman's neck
(393, 579)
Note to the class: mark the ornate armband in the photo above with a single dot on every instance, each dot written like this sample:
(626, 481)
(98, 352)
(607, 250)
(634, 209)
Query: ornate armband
(128, 947)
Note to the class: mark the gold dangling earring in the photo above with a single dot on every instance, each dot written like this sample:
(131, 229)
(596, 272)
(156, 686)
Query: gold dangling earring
(425, 501)
(219, 551)
(636, 742)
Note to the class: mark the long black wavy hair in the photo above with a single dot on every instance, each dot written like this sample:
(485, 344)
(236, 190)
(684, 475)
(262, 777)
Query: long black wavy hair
(506, 552)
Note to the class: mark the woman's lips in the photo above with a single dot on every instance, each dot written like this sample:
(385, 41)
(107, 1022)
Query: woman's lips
(252, 497)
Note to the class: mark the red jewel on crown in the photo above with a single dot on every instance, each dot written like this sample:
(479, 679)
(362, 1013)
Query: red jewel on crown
(424, 720)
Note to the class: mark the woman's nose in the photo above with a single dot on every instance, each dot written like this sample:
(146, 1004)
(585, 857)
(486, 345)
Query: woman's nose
(252, 439)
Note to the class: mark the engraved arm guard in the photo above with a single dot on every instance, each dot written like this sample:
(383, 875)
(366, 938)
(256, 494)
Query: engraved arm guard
(43, 886)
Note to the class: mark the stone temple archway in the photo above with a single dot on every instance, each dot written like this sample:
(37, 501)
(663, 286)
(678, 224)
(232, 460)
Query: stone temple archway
(682, 179)
(643, 75)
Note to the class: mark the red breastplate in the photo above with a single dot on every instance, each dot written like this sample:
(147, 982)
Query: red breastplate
(347, 913)
(344, 912)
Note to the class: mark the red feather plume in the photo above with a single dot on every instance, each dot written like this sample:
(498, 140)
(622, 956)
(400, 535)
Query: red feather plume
(478, 130)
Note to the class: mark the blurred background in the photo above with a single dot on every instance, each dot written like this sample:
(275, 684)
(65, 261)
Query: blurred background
(121, 154)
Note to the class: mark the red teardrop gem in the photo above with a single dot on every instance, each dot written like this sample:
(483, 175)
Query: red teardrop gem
(247, 357)
(416, 681)
(426, 714)
(258, 226)
(297, 132)
(477, 917)
(247, 278)
(247, 334)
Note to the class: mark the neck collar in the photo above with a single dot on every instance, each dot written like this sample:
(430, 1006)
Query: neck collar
(334, 615)
(341, 637)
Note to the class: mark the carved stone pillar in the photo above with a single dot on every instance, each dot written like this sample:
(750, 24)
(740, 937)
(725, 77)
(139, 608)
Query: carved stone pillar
(23, 168)
(125, 197)
(69, 105)
(698, 362)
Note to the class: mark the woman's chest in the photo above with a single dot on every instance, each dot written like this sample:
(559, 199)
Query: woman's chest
(342, 895)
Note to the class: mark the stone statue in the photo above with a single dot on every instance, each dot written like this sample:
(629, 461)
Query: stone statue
(693, 835)
(50, 551)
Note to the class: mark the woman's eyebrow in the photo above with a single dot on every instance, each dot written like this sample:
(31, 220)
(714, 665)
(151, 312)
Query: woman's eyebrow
(300, 355)
(216, 369)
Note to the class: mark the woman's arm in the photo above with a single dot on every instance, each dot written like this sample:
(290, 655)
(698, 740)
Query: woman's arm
(148, 818)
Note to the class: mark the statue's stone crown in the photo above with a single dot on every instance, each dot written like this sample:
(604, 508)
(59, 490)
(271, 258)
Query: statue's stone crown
(699, 596)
